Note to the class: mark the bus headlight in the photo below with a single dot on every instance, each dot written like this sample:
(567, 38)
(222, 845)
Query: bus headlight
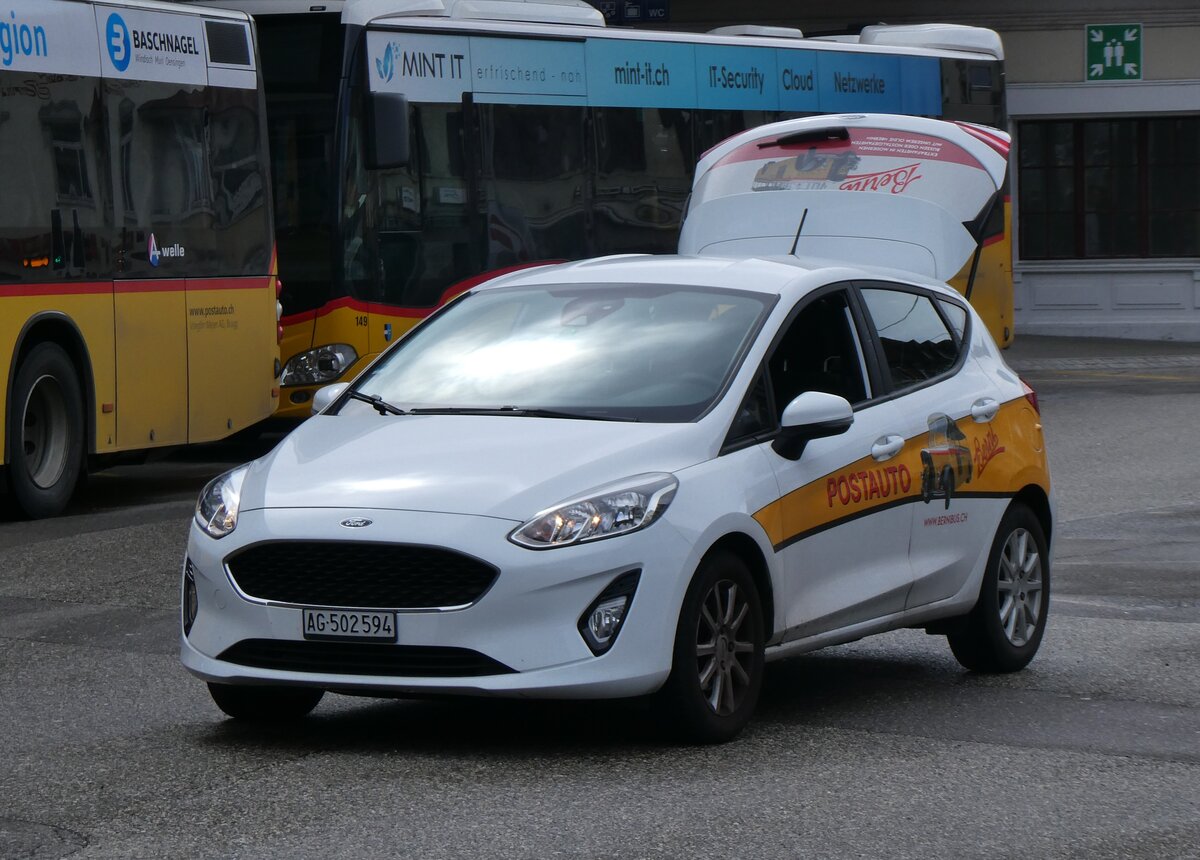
(217, 509)
(320, 365)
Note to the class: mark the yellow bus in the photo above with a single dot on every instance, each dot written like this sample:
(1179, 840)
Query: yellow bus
(418, 145)
(138, 299)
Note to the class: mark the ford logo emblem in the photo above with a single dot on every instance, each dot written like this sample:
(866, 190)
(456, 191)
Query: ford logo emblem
(356, 522)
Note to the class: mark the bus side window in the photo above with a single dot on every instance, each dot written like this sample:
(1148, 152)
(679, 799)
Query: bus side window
(163, 179)
(54, 223)
(644, 164)
(237, 162)
(533, 168)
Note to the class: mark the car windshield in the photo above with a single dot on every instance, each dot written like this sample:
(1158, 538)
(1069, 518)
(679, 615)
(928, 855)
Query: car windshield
(621, 351)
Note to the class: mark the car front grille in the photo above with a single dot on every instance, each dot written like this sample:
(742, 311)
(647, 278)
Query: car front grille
(360, 575)
(366, 658)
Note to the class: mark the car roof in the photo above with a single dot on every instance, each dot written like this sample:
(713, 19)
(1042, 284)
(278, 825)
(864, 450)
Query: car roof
(777, 275)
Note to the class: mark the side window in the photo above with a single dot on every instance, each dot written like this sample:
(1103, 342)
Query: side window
(163, 185)
(818, 352)
(237, 158)
(533, 172)
(916, 343)
(55, 221)
(754, 416)
(643, 173)
(957, 316)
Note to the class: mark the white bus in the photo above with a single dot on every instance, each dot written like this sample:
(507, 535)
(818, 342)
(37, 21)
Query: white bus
(417, 144)
(137, 288)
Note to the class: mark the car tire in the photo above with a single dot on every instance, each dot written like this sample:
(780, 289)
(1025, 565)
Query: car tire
(1002, 633)
(718, 664)
(45, 432)
(264, 704)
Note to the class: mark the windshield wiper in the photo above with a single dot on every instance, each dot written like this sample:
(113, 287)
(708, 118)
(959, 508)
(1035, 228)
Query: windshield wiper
(517, 411)
(380, 405)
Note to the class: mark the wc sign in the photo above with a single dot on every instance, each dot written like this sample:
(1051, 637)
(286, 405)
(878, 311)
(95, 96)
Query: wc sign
(633, 11)
(1114, 52)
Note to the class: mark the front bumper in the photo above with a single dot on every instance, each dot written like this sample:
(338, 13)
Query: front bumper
(527, 621)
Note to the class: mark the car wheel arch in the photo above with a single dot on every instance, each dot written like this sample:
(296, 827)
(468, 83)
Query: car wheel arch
(747, 549)
(1035, 498)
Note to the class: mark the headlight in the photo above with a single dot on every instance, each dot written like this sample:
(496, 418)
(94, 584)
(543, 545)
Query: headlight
(217, 510)
(615, 509)
(315, 366)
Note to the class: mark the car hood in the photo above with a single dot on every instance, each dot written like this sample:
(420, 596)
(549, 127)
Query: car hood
(507, 467)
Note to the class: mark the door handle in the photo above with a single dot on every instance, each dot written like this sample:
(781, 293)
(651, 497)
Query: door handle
(984, 409)
(887, 447)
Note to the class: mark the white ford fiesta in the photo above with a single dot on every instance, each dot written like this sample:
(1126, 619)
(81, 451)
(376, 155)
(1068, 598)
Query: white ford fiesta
(649, 475)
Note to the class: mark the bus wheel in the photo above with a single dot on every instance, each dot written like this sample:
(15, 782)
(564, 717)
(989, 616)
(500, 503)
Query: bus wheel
(45, 432)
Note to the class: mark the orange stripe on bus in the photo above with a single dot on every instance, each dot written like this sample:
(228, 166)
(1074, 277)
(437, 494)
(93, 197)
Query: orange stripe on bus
(190, 285)
(72, 288)
(95, 288)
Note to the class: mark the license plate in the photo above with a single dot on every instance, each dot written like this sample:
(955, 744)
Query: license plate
(344, 624)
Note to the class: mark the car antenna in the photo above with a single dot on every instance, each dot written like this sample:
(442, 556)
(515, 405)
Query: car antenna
(796, 241)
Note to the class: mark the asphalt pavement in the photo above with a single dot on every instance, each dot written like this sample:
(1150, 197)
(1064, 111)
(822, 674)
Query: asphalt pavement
(1040, 352)
(879, 748)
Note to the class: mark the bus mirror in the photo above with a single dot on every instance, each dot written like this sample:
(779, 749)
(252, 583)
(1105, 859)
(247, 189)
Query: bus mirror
(388, 135)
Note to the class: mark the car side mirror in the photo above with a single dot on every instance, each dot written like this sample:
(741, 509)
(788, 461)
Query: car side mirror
(327, 395)
(812, 415)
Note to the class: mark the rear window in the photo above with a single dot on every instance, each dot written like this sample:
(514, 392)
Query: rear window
(917, 344)
(957, 316)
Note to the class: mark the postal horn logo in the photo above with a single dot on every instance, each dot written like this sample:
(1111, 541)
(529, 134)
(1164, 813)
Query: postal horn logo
(387, 65)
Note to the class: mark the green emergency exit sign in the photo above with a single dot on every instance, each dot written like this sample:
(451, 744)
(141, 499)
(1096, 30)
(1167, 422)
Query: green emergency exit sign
(1114, 52)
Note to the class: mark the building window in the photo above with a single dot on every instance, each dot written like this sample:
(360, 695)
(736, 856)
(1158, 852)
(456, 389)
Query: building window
(65, 123)
(1108, 188)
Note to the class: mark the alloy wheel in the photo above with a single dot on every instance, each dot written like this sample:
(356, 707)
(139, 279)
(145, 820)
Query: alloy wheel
(1019, 582)
(724, 650)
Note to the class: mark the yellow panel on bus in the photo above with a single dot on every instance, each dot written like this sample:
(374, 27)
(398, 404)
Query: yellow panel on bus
(151, 363)
(230, 375)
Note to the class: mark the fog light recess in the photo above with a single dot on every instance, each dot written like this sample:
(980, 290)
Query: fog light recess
(602, 621)
(190, 601)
